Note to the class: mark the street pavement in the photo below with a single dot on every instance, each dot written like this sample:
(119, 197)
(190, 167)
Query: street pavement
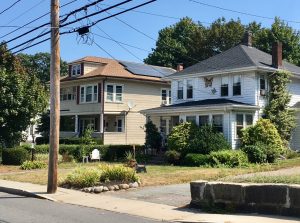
(19, 209)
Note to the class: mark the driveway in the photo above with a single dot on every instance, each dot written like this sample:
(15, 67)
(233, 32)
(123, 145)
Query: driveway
(177, 195)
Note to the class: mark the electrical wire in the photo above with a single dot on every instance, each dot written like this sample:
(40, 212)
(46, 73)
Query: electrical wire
(34, 20)
(240, 12)
(9, 7)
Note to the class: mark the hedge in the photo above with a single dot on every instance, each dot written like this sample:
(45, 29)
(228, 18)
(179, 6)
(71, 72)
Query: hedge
(68, 141)
(194, 159)
(14, 156)
(108, 152)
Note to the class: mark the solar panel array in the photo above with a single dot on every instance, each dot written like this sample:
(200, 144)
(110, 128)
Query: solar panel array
(147, 70)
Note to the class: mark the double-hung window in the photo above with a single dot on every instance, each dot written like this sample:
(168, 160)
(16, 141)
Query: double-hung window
(165, 97)
(76, 69)
(189, 89)
(242, 121)
(262, 85)
(180, 90)
(88, 93)
(224, 86)
(114, 93)
(68, 94)
(191, 119)
(217, 122)
(203, 120)
(236, 89)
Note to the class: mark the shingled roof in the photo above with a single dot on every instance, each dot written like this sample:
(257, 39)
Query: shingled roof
(112, 68)
(240, 56)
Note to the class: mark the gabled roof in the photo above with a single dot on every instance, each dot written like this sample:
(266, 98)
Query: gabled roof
(201, 104)
(240, 56)
(118, 69)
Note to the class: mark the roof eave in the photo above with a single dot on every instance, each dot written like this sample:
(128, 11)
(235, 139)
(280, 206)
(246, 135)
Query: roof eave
(198, 108)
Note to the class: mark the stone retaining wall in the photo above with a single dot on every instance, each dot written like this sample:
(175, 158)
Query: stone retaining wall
(279, 199)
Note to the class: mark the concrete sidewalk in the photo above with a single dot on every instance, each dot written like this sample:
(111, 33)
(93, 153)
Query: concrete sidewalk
(159, 212)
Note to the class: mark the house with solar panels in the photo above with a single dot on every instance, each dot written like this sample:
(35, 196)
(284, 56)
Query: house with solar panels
(228, 90)
(108, 95)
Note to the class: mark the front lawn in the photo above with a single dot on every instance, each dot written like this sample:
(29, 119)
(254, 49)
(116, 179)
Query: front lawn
(157, 175)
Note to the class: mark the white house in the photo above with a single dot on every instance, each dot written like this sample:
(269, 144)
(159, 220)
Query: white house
(227, 90)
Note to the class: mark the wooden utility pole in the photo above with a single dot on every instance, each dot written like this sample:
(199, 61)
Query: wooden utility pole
(54, 97)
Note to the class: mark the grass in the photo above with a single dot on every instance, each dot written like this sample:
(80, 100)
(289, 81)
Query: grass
(289, 179)
(161, 175)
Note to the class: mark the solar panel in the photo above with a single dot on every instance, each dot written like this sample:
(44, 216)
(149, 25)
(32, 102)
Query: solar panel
(146, 70)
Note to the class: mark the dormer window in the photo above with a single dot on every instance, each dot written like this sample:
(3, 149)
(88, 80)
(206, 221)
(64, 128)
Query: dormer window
(76, 70)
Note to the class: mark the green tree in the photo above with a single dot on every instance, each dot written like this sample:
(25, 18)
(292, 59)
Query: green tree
(279, 31)
(44, 124)
(39, 64)
(277, 109)
(153, 137)
(22, 98)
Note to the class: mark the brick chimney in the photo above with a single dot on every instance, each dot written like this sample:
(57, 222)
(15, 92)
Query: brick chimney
(179, 67)
(277, 55)
(247, 39)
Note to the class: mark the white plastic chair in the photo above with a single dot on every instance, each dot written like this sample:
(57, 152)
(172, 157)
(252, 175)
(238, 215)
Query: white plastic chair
(95, 155)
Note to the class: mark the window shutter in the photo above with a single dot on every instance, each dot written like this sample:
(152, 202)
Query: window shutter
(82, 69)
(99, 92)
(70, 70)
(78, 94)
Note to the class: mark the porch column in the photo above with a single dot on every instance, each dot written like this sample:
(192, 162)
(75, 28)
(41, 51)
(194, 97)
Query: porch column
(76, 123)
(101, 123)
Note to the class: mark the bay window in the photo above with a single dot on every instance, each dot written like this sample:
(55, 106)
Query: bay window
(242, 121)
(191, 119)
(203, 120)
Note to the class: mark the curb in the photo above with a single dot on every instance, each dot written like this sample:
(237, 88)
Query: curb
(25, 193)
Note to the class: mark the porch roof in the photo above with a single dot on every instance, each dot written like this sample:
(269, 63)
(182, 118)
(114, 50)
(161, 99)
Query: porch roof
(201, 105)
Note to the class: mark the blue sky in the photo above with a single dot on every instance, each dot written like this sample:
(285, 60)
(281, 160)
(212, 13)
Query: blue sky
(72, 47)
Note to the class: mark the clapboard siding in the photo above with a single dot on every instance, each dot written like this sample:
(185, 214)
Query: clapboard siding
(294, 88)
(295, 142)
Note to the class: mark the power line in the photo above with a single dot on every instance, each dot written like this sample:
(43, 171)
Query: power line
(94, 23)
(126, 44)
(25, 12)
(64, 25)
(240, 12)
(34, 20)
(10, 7)
(104, 50)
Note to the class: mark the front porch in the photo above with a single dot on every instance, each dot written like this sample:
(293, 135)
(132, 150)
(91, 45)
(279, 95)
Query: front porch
(108, 127)
(227, 116)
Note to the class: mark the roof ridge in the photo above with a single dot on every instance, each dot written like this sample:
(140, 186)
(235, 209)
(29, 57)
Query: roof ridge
(246, 54)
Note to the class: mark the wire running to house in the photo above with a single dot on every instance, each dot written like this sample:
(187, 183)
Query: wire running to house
(9, 7)
(240, 12)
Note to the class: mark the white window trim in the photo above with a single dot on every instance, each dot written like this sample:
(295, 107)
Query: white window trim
(94, 100)
(185, 88)
(114, 93)
(242, 84)
(177, 85)
(75, 66)
(168, 96)
(244, 123)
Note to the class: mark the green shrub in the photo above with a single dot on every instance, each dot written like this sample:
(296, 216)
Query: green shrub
(256, 153)
(172, 157)
(290, 154)
(181, 136)
(41, 157)
(14, 156)
(117, 152)
(230, 158)
(118, 173)
(265, 136)
(193, 159)
(30, 165)
(82, 177)
(153, 137)
(206, 139)
(44, 148)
